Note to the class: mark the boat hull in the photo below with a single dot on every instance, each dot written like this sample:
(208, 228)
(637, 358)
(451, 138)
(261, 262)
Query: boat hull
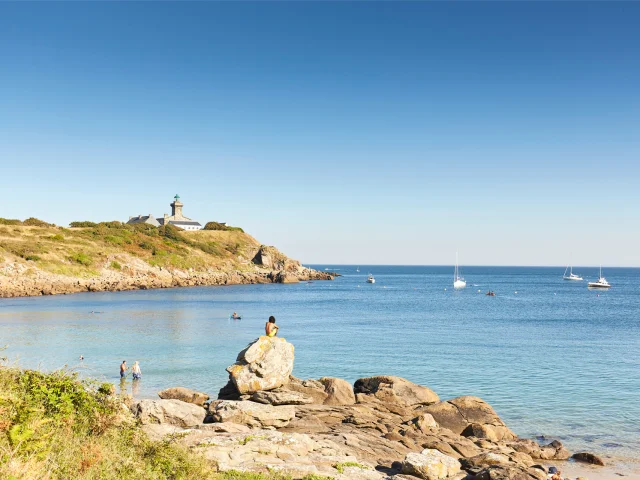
(459, 284)
(575, 279)
(598, 285)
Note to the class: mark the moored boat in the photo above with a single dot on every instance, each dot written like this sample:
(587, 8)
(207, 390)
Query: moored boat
(601, 283)
(571, 276)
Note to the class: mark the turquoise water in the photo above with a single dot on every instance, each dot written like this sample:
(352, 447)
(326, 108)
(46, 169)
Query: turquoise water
(554, 358)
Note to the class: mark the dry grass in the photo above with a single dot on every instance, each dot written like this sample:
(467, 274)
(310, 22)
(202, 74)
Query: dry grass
(84, 252)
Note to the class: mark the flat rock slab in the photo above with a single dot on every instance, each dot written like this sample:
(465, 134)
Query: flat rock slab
(293, 454)
(281, 397)
(184, 394)
(251, 414)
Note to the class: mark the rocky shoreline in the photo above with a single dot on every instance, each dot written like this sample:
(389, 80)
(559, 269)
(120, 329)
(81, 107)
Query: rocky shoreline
(19, 279)
(384, 427)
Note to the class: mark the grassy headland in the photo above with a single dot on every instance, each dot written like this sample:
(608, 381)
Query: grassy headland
(39, 258)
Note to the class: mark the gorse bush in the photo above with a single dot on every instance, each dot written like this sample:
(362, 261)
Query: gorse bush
(36, 222)
(221, 226)
(82, 224)
(10, 221)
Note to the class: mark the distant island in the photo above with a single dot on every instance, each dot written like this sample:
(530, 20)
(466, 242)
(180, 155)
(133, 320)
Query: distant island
(39, 258)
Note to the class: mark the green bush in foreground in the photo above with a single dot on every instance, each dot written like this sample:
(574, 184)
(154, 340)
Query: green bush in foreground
(54, 426)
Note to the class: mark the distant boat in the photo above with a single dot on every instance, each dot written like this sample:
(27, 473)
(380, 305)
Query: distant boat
(370, 279)
(458, 281)
(601, 283)
(571, 276)
(358, 269)
(490, 293)
(327, 269)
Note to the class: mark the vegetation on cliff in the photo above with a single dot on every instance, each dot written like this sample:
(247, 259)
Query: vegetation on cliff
(82, 250)
(55, 426)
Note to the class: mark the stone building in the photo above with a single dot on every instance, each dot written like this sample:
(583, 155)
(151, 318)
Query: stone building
(176, 218)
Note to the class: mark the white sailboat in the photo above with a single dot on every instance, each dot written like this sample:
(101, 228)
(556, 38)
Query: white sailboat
(358, 269)
(458, 281)
(571, 276)
(601, 283)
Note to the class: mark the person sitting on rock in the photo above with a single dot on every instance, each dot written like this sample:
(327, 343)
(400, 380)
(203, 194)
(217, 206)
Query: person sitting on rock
(270, 328)
(557, 475)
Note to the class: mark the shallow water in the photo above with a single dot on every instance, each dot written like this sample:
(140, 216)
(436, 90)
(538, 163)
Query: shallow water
(553, 359)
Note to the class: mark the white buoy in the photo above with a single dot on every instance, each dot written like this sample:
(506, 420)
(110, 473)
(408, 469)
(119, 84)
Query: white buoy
(515, 293)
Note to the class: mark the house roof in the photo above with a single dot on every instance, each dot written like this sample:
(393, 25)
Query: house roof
(179, 222)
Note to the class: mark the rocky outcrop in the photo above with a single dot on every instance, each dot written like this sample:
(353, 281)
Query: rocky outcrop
(430, 465)
(184, 394)
(264, 364)
(339, 392)
(251, 414)
(23, 279)
(278, 423)
(587, 457)
(172, 412)
(469, 415)
(395, 390)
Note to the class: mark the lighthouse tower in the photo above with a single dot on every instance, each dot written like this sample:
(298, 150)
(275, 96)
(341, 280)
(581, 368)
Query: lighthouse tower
(176, 208)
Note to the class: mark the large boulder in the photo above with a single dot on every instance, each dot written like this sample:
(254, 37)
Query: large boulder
(389, 389)
(509, 472)
(184, 394)
(430, 465)
(264, 364)
(468, 416)
(309, 388)
(251, 414)
(339, 392)
(172, 412)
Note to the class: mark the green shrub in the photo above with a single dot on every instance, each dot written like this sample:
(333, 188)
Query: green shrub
(56, 238)
(115, 265)
(82, 224)
(36, 222)
(81, 258)
(10, 221)
(221, 226)
(32, 258)
(172, 232)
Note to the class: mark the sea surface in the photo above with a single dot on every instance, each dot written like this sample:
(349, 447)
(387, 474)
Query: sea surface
(551, 356)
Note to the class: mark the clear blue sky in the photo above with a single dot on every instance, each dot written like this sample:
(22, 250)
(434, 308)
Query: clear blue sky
(339, 132)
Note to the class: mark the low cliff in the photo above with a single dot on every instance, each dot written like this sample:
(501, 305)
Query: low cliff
(111, 256)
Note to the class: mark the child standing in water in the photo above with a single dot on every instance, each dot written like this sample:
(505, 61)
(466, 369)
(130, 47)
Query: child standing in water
(270, 328)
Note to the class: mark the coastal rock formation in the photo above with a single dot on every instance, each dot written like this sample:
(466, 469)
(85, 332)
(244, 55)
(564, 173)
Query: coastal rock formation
(184, 394)
(172, 412)
(251, 414)
(299, 427)
(390, 389)
(264, 364)
(430, 465)
(470, 415)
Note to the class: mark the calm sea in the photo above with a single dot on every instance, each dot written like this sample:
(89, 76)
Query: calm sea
(552, 357)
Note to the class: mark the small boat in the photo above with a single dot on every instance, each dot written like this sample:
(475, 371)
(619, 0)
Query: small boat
(458, 281)
(235, 317)
(601, 283)
(370, 279)
(571, 276)
(490, 293)
(358, 269)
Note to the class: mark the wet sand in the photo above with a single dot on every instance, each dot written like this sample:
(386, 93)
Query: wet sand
(620, 469)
